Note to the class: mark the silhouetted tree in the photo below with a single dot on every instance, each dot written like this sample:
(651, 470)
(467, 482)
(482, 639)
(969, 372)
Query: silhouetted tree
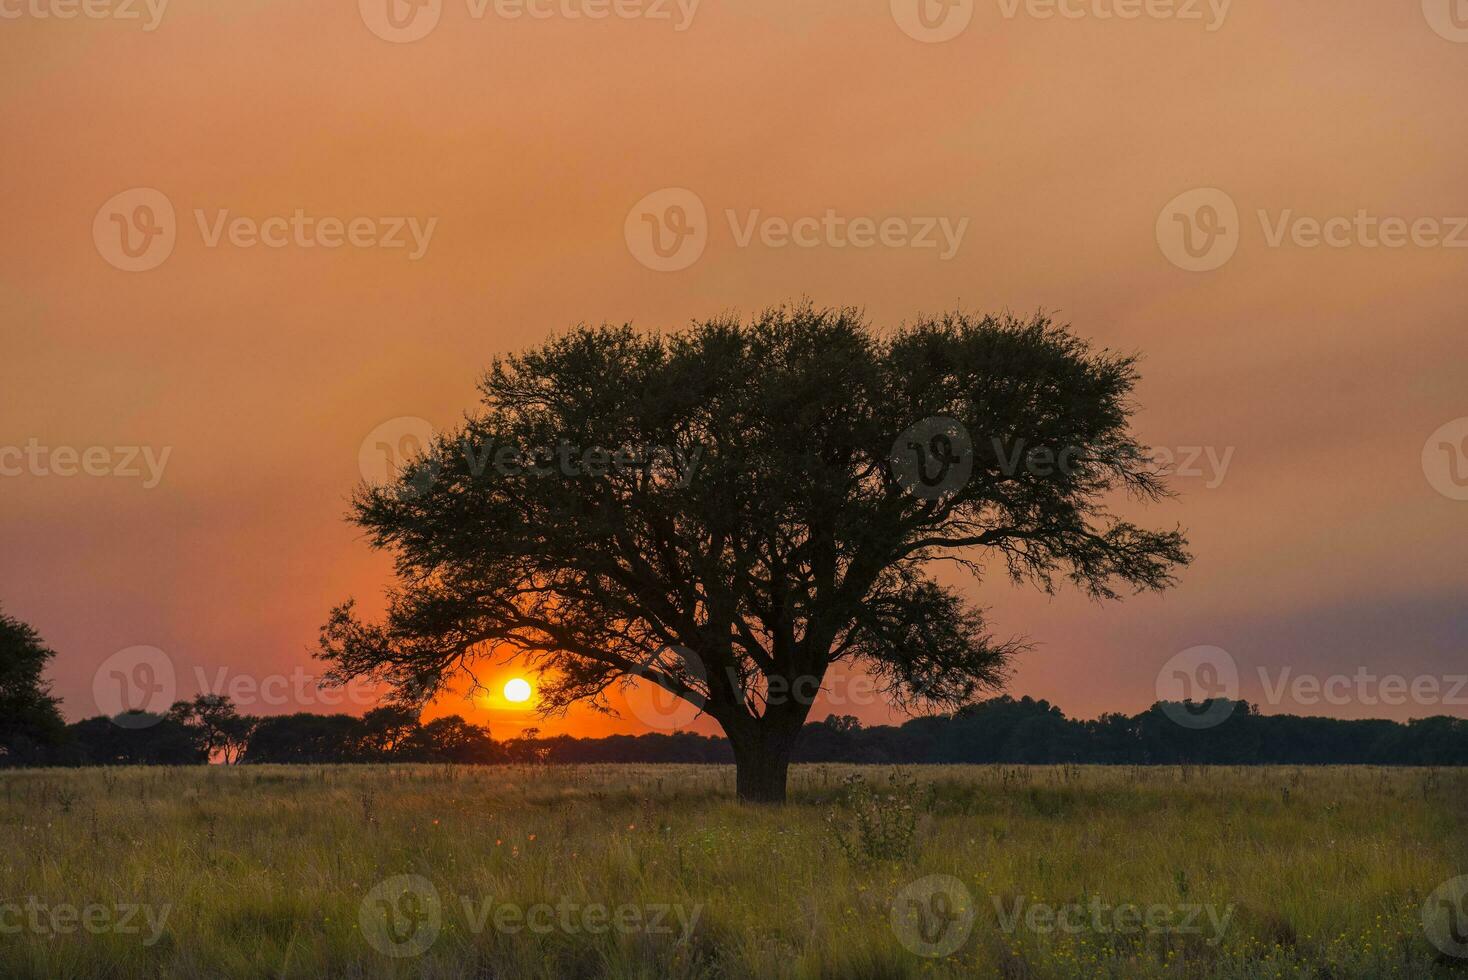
(452, 739)
(727, 511)
(30, 722)
(138, 739)
(526, 748)
(386, 730)
(216, 724)
(305, 737)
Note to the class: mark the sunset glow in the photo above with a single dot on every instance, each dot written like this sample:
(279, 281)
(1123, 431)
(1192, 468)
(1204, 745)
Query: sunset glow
(517, 690)
(1259, 375)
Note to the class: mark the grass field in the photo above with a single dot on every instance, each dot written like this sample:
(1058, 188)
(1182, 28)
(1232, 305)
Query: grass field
(656, 872)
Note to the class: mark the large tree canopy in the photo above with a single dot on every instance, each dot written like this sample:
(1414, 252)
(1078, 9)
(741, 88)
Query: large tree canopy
(727, 511)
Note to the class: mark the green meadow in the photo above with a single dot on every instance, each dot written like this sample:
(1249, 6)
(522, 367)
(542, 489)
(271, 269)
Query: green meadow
(656, 871)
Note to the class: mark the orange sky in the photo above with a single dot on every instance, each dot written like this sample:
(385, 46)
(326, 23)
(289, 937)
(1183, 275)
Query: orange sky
(1061, 140)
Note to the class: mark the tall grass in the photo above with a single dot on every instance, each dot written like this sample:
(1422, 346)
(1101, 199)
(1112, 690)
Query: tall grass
(265, 871)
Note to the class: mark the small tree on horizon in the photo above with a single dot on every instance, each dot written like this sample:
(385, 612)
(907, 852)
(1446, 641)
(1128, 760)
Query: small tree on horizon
(216, 725)
(727, 511)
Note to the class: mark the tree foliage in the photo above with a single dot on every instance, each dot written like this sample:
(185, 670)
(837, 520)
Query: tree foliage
(30, 722)
(722, 512)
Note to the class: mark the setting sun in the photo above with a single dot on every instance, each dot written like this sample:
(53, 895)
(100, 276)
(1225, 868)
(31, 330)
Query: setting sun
(517, 690)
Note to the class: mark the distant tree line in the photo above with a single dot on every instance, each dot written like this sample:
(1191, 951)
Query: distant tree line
(1006, 730)
(210, 728)
(999, 730)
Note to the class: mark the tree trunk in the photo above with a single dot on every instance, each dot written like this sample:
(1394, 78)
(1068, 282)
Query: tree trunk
(762, 763)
